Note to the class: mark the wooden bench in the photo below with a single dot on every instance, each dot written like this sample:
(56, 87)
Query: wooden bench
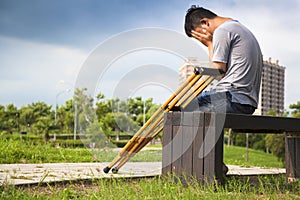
(193, 142)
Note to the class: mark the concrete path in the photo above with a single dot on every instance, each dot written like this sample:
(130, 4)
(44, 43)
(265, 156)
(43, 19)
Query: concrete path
(19, 174)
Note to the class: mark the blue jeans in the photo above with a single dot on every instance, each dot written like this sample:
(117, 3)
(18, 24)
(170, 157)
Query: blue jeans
(220, 102)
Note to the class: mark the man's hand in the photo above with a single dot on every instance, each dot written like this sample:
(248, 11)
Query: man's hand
(203, 36)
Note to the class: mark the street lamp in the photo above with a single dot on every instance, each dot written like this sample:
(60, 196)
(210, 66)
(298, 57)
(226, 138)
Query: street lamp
(74, 104)
(144, 112)
(59, 93)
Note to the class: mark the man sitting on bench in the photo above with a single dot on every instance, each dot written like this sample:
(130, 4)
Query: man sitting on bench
(233, 49)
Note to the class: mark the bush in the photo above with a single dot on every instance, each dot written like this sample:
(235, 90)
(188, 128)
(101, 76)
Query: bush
(119, 143)
(276, 145)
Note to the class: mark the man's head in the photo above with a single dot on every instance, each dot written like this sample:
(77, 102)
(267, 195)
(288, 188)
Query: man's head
(196, 17)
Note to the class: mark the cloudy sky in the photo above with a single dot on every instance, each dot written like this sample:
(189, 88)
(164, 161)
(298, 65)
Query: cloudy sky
(44, 44)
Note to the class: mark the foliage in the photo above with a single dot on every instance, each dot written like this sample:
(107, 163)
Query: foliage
(65, 117)
(106, 118)
(275, 142)
(276, 145)
(84, 109)
(255, 141)
(115, 122)
(109, 117)
(96, 137)
(296, 109)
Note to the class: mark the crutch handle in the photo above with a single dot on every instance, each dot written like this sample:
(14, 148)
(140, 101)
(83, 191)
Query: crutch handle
(197, 70)
(208, 71)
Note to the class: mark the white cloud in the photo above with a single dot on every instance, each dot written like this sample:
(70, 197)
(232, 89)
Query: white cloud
(31, 70)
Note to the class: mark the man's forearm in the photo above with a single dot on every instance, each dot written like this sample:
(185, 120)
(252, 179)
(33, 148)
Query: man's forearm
(218, 65)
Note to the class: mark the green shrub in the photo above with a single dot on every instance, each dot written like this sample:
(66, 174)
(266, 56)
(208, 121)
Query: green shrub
(119, 143)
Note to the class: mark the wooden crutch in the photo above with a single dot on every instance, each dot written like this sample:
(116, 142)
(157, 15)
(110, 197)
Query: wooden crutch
(135, 139)
(178, 98)
(143, 141)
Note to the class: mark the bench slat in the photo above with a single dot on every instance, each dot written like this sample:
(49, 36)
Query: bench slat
(257, 123)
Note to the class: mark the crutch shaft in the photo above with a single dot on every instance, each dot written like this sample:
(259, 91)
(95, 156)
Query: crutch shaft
(191, 92)
(198, 91)
(134, 139)
(143, 143)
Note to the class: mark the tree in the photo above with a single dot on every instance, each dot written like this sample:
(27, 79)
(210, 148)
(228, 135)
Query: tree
(84, 111)
(102, 108)
(296, 107)
(65, 117)
(37, 117)
(12, 116)
(118, 122)
(27, 117)
(140, 115)
(96, 136)
(275, 142)
(43, 125)
(3, 119)
(41, 109)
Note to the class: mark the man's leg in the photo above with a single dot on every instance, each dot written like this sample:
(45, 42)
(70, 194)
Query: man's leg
(201, 103)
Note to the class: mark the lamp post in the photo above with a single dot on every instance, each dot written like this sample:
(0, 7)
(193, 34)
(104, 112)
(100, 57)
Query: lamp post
(74, 104)
(59, 93)
(75, 119)
(144, 112)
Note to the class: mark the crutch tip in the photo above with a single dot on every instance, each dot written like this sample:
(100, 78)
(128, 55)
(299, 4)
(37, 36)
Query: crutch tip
(114, 170)
(106, 170)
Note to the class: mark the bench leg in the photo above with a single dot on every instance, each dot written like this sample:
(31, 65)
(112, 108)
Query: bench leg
(193, 147)
(213, 148)
(292, 157)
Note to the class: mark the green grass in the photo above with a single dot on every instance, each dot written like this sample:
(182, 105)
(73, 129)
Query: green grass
(18, 151)
(14, 150)
(21, 151)
(234, 155)
(157, 188)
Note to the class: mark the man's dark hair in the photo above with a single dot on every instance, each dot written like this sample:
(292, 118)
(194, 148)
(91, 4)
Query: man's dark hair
(194, 15)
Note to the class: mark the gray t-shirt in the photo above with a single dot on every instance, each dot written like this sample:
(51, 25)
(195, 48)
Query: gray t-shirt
(235, 45)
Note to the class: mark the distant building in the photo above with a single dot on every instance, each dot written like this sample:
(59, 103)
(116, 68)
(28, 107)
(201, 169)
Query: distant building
(272, 88)
(272, 85)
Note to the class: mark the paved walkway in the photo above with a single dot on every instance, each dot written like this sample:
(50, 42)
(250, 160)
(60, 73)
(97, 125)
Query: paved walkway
(19, 174)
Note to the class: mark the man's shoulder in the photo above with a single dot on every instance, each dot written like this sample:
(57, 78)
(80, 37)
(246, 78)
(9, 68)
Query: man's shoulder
(227, 26)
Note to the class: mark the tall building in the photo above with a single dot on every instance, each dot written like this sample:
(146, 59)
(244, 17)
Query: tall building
(272, 84)
(272, 88)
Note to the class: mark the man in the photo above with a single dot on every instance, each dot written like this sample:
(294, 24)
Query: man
(233, 49)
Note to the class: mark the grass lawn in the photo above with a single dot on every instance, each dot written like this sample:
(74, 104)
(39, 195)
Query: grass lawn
(234, 155)
(156, 188)
(16, 151)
